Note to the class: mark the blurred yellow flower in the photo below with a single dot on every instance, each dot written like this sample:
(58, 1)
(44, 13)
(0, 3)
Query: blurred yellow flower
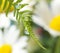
(48, 16)
(5, 49)
(55, 23)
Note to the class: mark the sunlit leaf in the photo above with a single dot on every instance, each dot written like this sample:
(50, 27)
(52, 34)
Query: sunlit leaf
(0, 2)
(10, 4)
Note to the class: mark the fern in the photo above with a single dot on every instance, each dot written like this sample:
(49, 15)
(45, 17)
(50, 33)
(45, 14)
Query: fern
(22, 16)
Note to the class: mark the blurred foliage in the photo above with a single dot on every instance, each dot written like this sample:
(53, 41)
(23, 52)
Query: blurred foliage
(48, 1)
(52, 44)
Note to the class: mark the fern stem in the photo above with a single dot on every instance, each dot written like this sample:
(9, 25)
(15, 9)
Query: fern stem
(29, 29)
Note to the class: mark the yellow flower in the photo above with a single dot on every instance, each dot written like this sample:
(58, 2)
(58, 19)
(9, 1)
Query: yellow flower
(9, 41)
(48, 17)
(6, 49)
(55, 23)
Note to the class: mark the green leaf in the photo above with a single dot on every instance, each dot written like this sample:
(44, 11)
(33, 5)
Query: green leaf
(17, 2)
(57, 47)
(0, 2)
(14, 11)
(17, 14)
(6, 1)
(21, 6)
(48, 1)
(10, 4)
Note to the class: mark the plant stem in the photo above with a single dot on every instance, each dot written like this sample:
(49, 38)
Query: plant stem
(57, 49)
